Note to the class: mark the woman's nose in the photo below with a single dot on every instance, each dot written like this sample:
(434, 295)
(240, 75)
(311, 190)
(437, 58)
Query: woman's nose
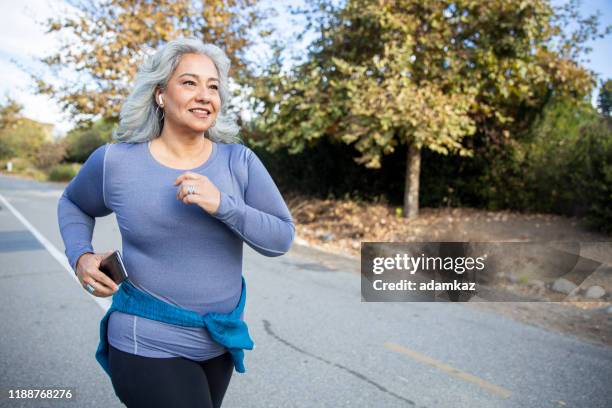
(204, 94)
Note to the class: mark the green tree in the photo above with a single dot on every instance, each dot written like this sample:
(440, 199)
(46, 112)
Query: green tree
(385, 74)
(24, 138)
(604, 100)
(20, 136)
(549, 159)
(10, 112)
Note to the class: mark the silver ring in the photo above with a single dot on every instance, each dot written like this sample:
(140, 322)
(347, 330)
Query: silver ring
(90, 288)
(190, 189)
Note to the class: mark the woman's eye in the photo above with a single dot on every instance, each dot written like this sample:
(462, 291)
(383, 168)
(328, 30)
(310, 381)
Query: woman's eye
(189, 82)
(214, 86)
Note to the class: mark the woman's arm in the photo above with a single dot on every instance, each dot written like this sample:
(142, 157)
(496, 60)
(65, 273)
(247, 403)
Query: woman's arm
(262, 220)
(79, 205)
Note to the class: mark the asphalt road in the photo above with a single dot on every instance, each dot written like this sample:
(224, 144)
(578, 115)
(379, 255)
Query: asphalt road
(317, 344)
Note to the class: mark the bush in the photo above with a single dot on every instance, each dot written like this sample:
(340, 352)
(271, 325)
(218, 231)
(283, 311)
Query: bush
(591, 173)
(563, 166)
(34, 173)
(64, 171)
(49, 154)
(82, 141)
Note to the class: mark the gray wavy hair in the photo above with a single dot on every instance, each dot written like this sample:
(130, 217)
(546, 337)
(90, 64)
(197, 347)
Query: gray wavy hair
(141, 120)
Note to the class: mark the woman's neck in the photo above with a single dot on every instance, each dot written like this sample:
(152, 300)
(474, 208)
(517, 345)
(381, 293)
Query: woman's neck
(181, 146)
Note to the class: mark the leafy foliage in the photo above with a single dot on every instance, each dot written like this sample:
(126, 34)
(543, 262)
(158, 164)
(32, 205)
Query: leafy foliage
(22, 137)
(10, 112)
(604, 100)
(568, 163)
(388, 73)
(83, 140)
(49, 154)
(64, 171)
(112, 37)
(401, 71)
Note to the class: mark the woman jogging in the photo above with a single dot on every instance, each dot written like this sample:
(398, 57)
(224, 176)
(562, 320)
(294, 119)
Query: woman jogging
(186, 195)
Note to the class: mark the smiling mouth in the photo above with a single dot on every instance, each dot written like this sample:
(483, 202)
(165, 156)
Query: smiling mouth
(200, 113)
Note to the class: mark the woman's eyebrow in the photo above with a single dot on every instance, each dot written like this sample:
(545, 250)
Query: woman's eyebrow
(198, 77)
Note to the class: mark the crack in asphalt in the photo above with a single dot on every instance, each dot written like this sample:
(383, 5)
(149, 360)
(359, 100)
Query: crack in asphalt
(267, 327)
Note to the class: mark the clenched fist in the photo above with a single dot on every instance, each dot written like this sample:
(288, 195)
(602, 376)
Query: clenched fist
(205, 193)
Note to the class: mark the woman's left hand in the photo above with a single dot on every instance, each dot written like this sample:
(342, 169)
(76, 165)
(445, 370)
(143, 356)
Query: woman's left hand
(206, 194)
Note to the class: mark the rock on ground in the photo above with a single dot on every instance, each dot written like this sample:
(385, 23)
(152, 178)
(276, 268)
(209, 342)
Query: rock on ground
(562, 285)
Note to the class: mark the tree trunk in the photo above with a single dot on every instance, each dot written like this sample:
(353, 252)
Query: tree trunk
(411, 188)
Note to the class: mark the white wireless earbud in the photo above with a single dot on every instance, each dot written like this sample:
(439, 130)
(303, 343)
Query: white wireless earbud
(161, 100)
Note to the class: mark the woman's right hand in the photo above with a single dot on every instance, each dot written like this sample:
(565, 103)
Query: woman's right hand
(88, 271)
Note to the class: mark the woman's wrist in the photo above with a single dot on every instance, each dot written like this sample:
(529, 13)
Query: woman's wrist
(81, 257)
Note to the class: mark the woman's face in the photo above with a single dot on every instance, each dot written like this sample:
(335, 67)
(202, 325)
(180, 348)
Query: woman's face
(192, 90)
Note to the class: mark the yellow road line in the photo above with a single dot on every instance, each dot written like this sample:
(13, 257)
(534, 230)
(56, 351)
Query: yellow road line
(492, 388)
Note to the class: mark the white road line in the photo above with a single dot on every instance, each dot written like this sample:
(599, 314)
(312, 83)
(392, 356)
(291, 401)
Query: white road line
(104, 303)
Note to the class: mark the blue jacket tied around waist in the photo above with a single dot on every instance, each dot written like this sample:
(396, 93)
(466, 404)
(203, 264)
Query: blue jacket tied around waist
(225, 328)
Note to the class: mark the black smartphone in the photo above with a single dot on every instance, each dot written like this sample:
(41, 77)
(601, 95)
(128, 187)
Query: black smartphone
(113, 267)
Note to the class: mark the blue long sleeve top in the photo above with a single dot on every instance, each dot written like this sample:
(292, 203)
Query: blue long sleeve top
(176, 252)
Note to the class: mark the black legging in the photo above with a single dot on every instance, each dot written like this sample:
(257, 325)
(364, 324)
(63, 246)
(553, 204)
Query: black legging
(169, 382)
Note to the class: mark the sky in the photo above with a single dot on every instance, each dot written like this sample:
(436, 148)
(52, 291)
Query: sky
(23, 42)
